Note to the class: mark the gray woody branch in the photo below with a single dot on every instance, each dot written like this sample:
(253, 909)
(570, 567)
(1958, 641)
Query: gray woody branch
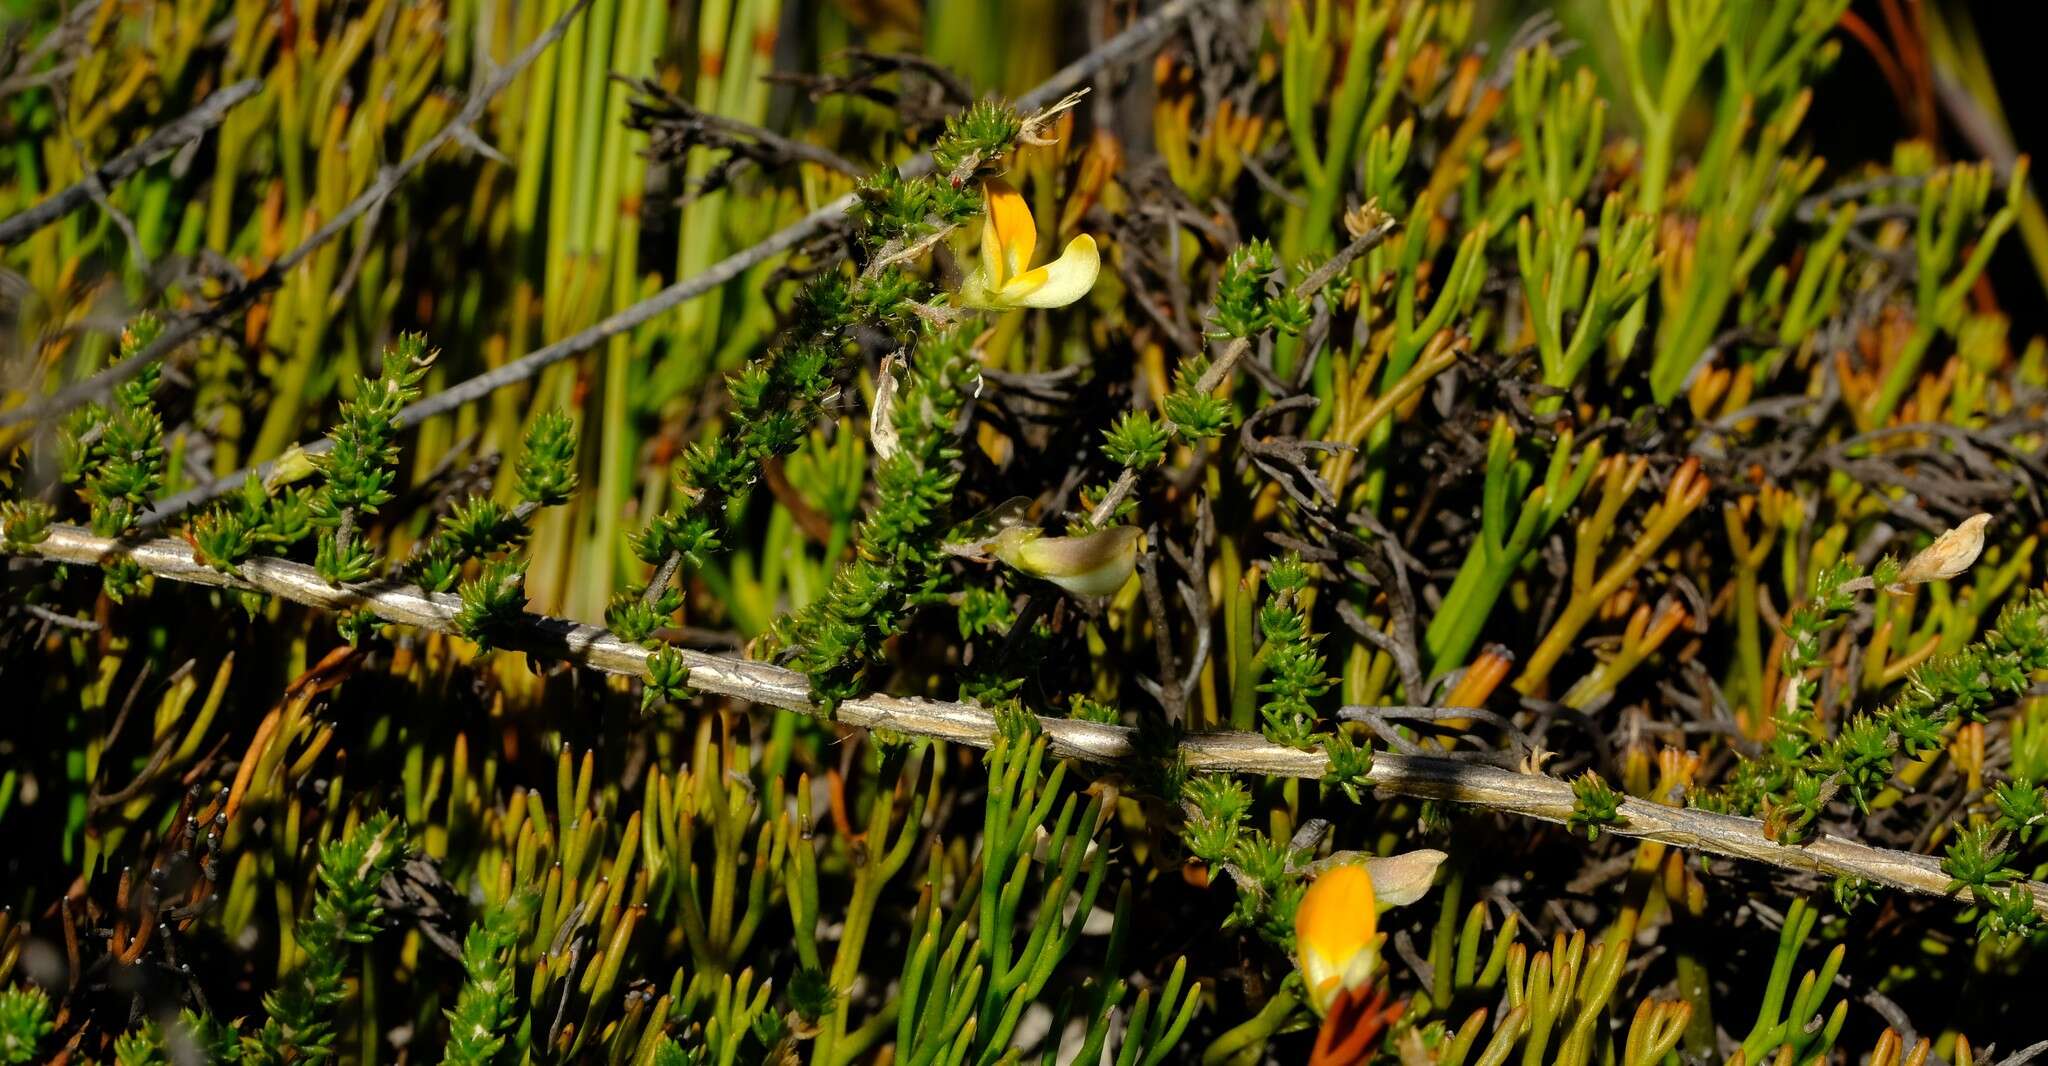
(1527, 795)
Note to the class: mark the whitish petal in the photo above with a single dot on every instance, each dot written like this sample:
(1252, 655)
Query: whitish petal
(882, 420)
(1059, 282)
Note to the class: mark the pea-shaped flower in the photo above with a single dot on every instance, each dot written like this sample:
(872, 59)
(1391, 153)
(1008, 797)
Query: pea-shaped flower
(1005, 278)
(1093, 564)
(1336, 926)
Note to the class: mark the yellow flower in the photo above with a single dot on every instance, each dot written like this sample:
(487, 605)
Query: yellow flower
(1336, 938)
(1008, 239)
(1094, 564)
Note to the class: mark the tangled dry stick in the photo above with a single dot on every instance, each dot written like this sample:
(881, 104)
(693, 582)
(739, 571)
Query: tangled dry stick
(1527, 795)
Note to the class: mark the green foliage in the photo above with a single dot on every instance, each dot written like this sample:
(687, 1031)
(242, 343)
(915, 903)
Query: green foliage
(1790, 1020)
(635, 618)
(192, 1035)
(811, 995)
(118, 452)
(1293, 666)
(1595, 805)
(1196, 414)
(142, 1046)
(1805, 627)
(24, 1022)
(1268, 873)
(253, 519)
(980, 133)
(1089, 710)
(1517, 513)
(897, 543)
(1977, 860)
(475, 529)
(24, 523)
(115, 455)
(777, 396)
(482, 530)
(1852, 892)
(492, 601)
(488, 1001)
(1562, 279)
(1803, 767)
(1241, 304)
(1216, 807)
(357, 472)
(667, 677)
(301, 1022)
(1588, 405)
(1350, 769)
(965, 987)
(546, 470)
(1137, 440)
(2022, 809)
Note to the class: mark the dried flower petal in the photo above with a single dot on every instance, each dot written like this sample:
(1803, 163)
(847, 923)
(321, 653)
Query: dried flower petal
(882, 420)
(1951, 553)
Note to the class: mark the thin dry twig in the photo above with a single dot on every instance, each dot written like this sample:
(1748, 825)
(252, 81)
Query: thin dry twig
(1491, 788)
(1126, 481)
(167, 139)
(674, 126)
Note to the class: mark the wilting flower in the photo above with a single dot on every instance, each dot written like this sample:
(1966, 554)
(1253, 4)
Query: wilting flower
(1093, 564)
(1004, 279)
(1951, 553)
(1336, 937)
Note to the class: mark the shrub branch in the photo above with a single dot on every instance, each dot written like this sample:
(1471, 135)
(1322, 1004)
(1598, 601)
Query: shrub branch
(1506, 791)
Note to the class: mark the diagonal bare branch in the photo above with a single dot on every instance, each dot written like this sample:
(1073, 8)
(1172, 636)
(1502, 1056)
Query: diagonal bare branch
(167, 139)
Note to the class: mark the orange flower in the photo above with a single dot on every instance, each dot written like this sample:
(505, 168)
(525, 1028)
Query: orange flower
(1336, 934)
(1336, 927)
(1009, 238)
